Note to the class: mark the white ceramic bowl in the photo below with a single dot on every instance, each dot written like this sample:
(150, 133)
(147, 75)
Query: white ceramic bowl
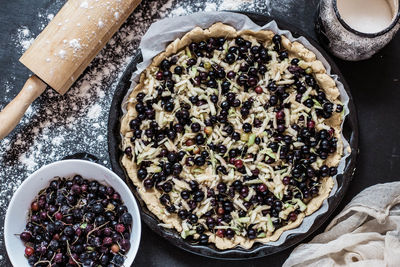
(17, 213)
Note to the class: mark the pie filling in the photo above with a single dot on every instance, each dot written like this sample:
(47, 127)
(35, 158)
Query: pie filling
(234, 137)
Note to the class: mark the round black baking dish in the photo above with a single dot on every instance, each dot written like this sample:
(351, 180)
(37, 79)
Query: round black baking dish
(350, 131)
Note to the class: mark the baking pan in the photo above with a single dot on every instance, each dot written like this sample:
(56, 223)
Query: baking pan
(350, 132)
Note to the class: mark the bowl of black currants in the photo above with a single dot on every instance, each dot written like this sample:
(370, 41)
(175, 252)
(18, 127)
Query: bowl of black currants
(72, 213)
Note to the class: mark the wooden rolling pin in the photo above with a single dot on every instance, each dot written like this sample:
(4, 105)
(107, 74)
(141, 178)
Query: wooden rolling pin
(64, 49)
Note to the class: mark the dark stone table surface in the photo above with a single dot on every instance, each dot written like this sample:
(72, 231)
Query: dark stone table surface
(374, 83)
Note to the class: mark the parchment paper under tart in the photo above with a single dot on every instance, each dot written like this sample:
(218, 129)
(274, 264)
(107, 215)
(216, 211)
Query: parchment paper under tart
(296, 46)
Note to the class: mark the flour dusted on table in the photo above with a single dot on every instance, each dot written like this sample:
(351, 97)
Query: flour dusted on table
(232, 4)
(24, 38)
(210, 7)
(94, 112)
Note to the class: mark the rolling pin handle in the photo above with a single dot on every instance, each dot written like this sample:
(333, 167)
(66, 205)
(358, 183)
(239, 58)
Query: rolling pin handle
(13, 112)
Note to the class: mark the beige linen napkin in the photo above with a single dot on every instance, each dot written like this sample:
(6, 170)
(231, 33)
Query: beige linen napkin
(365, 233)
